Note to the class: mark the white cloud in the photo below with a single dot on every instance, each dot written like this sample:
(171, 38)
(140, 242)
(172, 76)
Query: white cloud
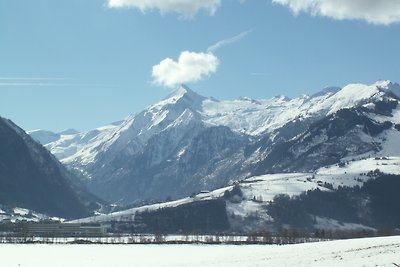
(383, 12)
(190, 67)
(186, 8)
(228, 41)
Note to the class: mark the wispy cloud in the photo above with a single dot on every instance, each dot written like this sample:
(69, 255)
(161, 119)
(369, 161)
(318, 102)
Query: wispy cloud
(258, 74)
(30, 84)
(31, 79)
(383, 12)
(47, 82)
(70, 85)
(186, 8)
(42, 84)
(228, 41)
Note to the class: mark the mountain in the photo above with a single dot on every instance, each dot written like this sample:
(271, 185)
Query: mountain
(367, 126)
(187, 143)
(43, 136)
(151, 154)
(32, 178)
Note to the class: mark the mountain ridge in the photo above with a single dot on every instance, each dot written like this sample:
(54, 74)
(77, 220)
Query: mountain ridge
(145, 156)
(31, 177)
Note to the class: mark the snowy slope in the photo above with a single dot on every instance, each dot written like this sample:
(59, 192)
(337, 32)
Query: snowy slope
(129, 214)
(21, 214)
(267, 186)
(258, 191)
(73, 144)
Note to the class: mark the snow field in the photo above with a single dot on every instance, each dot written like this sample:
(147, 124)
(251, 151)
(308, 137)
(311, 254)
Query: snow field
(382, 251)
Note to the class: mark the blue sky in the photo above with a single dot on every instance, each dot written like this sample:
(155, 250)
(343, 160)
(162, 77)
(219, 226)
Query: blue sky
(82, 64)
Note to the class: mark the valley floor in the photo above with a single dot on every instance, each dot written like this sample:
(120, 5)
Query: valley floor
(382, 251)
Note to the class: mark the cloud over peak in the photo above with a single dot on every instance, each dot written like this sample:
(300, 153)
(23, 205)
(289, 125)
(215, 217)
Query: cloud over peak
(384, 12)
(190, 67)
(186, 8)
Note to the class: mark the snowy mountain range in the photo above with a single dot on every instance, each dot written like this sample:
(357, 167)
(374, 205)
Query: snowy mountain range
(187, 143)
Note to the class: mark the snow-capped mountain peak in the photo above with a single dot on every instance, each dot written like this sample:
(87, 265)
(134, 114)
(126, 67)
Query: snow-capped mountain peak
(132, 134)
(352, 95)
(384, 84)
(327, 90)
(389, 86)
(183, 90)
(182, 96)
(282, 98)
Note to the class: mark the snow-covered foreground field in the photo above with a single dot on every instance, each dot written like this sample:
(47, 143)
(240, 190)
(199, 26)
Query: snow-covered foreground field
(357, 252)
